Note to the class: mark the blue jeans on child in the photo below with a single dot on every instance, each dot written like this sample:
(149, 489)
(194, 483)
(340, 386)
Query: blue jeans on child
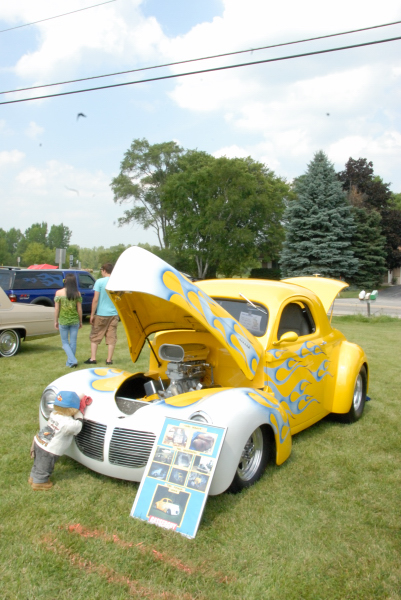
(69, 334)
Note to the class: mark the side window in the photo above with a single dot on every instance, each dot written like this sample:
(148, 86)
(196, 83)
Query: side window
(49, 281)
(5, 280)
(38, 280)
(85, 281)
(296, 317)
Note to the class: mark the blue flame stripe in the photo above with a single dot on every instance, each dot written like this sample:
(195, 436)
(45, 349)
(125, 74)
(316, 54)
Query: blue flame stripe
(229, 325)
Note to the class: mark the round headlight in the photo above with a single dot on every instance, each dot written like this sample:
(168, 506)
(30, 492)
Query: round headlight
(47, 402)
(201, 417)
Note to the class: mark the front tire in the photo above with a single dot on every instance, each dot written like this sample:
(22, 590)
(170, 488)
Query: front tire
(9, 342)
(253, 461)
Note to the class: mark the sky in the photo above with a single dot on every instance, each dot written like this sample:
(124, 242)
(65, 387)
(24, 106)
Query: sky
(57, 167)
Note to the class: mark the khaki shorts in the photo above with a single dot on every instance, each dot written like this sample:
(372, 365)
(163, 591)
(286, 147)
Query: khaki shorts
(104, 327)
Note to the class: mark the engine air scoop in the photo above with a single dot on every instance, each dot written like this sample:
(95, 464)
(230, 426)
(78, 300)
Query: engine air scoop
(184, 353)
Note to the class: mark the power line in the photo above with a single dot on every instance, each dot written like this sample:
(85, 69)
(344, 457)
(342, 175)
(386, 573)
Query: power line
(322, 37)
(163, 77)
(56, 16)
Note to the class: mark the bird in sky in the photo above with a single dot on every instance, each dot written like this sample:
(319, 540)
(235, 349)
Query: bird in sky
(80, 115)
(72, 190)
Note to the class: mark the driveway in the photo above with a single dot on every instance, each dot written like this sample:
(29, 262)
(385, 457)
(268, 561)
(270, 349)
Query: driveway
(388, 303)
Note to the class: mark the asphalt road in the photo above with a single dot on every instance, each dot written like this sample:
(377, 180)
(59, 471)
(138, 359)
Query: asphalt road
(388, 303)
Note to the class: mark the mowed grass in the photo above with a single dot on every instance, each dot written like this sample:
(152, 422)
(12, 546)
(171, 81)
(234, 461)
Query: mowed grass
(323, 526)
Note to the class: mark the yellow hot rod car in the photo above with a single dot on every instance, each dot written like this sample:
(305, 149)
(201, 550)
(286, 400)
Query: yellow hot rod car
(257, 357)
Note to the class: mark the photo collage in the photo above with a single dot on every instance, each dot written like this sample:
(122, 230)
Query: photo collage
(182, 464)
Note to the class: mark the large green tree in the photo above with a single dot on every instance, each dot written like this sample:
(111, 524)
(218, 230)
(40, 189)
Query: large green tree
(5, 255)
(37, 253)
(368, 245)
(59, 236)
(370, 192)
(143, 173)
(223, 213)
(318, 225)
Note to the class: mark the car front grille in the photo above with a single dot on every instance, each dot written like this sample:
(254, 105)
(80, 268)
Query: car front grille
(130, 448)
(90, 440)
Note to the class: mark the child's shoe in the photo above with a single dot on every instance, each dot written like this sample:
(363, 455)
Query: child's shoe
(42, 486)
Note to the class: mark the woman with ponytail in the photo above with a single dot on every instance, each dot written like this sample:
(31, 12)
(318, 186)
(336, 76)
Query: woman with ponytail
(68, 317)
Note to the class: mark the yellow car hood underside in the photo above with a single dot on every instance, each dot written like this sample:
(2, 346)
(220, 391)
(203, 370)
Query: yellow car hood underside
(152, 296)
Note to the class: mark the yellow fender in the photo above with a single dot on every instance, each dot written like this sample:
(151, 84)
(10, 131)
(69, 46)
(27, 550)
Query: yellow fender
(350, 361)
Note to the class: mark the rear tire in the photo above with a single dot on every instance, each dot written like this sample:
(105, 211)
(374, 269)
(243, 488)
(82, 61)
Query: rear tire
(253, 461)
(43, 301)
(9, 342)
(358, 399)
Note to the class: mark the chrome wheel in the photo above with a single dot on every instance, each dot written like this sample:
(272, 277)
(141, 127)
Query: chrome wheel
(358, 400)
(358, 393)
(9, 342)
(251, 457)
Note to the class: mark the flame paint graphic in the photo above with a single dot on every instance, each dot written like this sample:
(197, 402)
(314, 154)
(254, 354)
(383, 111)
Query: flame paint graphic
(311, 365)
(225, 328)
(280, 424)
(107, 380)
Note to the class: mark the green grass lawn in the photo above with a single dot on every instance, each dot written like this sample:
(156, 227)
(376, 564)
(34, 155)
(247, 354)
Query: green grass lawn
(323, 526)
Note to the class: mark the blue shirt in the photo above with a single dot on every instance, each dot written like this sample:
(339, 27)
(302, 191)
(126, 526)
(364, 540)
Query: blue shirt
(105, 307)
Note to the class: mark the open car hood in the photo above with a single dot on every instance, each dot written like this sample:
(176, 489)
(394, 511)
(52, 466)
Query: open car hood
(325, 289)
(152, 296)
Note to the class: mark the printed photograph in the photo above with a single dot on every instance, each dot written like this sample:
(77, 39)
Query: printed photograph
(203, 464)
(158, 470)
(202, 442)
(164, 455)
(197, 481)
(176, 436)
(178, 476)
(183, 459)
(167, 505)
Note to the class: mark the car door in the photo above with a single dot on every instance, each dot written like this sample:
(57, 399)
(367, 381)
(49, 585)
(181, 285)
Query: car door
(298, 365)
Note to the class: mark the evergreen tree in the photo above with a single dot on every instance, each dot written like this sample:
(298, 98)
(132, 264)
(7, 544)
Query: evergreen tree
(319, 225)
(368, 245)
(367, 190)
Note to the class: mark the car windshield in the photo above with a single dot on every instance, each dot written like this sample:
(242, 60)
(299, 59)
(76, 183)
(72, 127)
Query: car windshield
(5, 280)
(253, 318)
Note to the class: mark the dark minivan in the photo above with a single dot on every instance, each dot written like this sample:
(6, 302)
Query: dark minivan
(32, 286)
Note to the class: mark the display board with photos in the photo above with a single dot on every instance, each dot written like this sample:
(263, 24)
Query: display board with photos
(177, 478)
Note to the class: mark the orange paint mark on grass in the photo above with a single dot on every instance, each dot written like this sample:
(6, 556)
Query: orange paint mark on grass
(113, 577)
(86, 533)
(77, 528)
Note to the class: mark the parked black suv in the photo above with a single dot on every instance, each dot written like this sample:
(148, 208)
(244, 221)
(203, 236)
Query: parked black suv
(37, 286)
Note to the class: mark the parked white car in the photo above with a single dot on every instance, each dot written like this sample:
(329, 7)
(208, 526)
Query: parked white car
(22, 322)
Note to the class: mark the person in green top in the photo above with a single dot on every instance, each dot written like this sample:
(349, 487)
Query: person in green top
(68, 317)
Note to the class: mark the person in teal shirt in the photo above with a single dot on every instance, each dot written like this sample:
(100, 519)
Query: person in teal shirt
(104, 318)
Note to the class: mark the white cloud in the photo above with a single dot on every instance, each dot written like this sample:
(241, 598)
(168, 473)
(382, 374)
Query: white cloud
(231, 152)
(34, 130)
(80, 199)
(11, 157)
(96, 37)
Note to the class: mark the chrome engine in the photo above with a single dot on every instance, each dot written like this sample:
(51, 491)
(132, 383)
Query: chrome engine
(186, 369)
